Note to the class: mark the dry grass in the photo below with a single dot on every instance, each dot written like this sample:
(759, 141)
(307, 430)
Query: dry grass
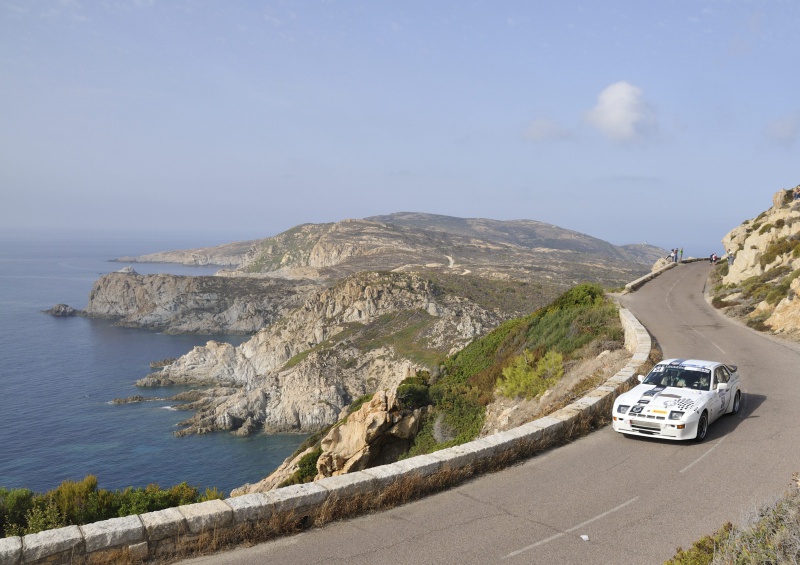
(769, 535)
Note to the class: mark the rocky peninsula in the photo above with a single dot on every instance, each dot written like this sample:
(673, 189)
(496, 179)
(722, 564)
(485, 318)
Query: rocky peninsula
(344, 309)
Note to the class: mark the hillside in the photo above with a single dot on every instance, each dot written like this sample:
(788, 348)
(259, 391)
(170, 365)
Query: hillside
(759, 280)
(520, 250)
(382, 298)
(525, 368)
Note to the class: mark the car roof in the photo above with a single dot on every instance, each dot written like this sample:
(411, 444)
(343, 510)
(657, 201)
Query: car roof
(691, 363)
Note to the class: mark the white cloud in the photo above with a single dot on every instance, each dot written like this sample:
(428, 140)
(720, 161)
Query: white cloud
(546, 130)
(621, 113)
(785, 130)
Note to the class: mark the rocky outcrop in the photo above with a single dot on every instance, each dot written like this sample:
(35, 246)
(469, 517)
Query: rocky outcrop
(785, 318)
(750, 242)
(365, 334)
(203, 305)
(375, 434)
(63, 311)
(762, 280)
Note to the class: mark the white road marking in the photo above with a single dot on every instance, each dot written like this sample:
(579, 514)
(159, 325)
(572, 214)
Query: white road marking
(703, 456)
(572, 529)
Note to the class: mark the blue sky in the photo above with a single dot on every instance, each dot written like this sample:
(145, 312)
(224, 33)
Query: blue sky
(668, 122)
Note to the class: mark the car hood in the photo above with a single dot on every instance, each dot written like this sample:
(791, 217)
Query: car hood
(664, 398)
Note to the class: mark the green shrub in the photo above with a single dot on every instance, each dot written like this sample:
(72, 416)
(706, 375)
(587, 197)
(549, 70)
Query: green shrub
(15, 504)
(307, 466)
(469, 378)
(306, 469)
(780, 247)
(411, 396)
(81, 502)
(528, 378)
(703, 550)
(765, 228)
(44, 516)
(781, 290)
(359, 402)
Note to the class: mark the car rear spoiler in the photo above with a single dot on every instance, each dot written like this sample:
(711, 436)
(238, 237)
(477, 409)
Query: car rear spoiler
(731, 368)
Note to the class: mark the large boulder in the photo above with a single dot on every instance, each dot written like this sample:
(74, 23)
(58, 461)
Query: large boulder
(379, 432)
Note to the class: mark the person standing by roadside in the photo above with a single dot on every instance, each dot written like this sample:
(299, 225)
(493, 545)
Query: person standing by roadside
(681, 254)
(731, 257)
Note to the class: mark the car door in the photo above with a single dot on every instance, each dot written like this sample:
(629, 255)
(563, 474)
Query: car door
(720, 397)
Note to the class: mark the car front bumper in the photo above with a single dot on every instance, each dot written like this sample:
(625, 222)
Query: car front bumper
(676, 430)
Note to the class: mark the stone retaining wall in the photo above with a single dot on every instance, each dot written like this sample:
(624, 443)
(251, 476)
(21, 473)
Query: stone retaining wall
(195, 527)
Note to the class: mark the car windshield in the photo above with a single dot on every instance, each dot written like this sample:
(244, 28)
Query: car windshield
(680, 377)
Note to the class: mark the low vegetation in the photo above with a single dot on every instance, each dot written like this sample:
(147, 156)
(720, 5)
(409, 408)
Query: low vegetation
(771, 535)
(522, 357)
(742, 299)
(516, 296)
(23, 511)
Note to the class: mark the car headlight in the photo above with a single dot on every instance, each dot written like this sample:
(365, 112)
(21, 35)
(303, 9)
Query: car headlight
(676, 415)
(623, 408)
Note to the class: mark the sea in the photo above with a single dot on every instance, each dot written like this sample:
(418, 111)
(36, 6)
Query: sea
(58, 376)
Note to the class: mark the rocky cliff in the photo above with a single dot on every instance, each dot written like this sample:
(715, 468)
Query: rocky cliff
(347, 308)
(376, 433)
(366, 333)
(759, 279)
(205, 305)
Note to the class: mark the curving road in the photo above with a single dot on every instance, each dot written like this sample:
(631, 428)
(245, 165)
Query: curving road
(605, 498)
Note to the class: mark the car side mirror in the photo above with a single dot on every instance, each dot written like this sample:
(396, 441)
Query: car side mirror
(722, 386)
(640, 377)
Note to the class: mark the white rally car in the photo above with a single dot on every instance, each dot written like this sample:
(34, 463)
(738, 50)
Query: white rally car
(678, 399)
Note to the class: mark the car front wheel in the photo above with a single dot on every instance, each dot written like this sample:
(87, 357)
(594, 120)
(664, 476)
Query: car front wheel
(702, 427)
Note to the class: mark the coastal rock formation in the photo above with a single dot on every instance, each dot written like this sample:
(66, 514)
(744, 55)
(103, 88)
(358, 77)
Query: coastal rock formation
(375, 434)
(347, 308)
(63, 311)
(367, 333)
(204, 305)
(752, 241)
(762, 280)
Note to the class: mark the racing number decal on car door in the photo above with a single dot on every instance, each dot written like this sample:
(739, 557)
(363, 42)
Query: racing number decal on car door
(720, 376)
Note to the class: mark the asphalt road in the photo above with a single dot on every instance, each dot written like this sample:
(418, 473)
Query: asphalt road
(605, 498)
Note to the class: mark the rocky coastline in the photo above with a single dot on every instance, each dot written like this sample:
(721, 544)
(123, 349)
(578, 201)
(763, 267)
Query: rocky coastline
(176, 304)
(298, 375)
(339, 310)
